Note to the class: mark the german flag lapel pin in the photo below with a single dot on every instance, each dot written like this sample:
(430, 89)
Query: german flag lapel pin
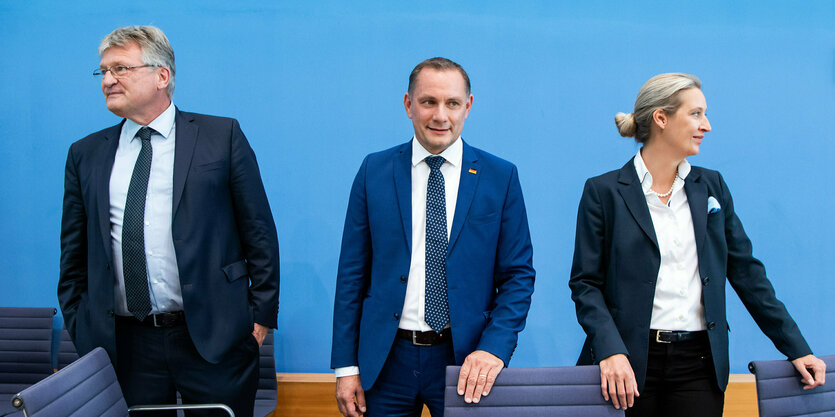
(472, 171)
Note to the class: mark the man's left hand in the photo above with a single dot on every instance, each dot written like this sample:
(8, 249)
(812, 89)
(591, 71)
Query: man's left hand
(478, 373)
(809, 362)
(259, 333)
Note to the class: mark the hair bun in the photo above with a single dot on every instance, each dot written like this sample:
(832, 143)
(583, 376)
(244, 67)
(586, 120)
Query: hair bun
(626, 124)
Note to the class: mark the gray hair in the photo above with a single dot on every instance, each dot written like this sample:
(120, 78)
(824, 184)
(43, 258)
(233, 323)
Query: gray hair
(155, 47)
(660, 92)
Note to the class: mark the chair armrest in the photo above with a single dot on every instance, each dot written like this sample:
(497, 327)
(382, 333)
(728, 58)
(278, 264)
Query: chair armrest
(182, 407)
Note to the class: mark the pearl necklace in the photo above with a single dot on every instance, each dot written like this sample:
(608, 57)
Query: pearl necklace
(670, 191)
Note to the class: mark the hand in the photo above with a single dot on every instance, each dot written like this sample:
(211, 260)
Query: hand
(259, 333)
(818, 367)
(347, 389)
(478, 373)
(617, 381)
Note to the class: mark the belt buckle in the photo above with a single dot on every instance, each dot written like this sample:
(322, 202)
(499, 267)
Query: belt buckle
(415, 342)
(155, 320)
(658, 336)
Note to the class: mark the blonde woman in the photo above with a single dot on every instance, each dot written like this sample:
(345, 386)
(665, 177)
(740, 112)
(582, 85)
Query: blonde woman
(655, 242)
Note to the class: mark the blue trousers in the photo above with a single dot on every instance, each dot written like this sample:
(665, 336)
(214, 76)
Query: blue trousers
(411, 377)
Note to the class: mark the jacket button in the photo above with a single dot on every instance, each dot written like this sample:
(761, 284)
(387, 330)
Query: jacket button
(403, 279)
(705, 280)
(396, 316)
(107, 267)
(110, 313)
(711, 325)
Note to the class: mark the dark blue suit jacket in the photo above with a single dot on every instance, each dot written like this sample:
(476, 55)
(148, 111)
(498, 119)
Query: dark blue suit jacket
(490, 276)
(224, 237)
(616, 261)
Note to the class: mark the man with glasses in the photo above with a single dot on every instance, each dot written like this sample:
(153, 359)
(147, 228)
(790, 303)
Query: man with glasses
(169, 252)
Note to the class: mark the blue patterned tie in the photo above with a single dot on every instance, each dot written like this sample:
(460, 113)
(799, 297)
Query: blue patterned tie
(437, 309)
(133, 231)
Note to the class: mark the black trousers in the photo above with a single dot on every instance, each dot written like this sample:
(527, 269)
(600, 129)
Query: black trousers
(680, 381)
(153, 364)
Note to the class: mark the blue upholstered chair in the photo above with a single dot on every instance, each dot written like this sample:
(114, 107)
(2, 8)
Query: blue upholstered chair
(267, 394)
(533, 392)
(25, 350)
(780, 392)
(84, 388)
(66, 350)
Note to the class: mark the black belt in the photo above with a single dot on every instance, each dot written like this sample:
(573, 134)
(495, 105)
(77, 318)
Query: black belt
(173, 319)
(672, 336)
(429, 338)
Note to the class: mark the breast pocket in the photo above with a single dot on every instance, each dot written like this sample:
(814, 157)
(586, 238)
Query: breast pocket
(211, 166)
(484, 218)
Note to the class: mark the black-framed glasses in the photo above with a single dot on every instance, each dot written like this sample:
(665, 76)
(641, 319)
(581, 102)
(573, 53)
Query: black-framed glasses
(118, 71)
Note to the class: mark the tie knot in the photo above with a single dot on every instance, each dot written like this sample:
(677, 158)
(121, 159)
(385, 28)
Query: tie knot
(145, 133)
(435, 161)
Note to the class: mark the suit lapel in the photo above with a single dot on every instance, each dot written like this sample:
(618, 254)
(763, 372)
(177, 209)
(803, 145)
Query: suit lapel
(403, 187)
(107, 155)
(696, 192)
(186, 138)
(466, 191)
(630, 190)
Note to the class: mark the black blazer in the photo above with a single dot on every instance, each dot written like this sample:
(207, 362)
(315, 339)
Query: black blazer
(223, 230)
(616, 261)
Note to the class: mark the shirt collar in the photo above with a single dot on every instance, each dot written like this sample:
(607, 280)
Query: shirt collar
(163, 124)
(453, 154)
(646, 178)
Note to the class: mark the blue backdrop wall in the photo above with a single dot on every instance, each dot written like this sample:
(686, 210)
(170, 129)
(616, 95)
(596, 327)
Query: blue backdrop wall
(318, 85)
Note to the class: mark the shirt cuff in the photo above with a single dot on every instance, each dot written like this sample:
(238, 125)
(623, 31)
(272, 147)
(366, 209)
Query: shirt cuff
(346, 371)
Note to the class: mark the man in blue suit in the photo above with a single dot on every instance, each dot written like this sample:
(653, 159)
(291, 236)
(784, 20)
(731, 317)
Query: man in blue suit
(169, 252)
(436, 262)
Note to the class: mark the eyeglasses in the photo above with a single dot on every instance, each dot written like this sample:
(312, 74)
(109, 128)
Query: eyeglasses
(118, 71)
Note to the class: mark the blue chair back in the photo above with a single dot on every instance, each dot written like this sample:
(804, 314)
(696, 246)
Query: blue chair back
(25, 350)
(66, 350)
(780, 392)
(86, 387)
(267, 395)
(533, 392)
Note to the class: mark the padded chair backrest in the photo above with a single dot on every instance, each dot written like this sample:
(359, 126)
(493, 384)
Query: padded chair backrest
(86, 387)
(267, 394)
(66, 350)
(780, 392)
(25, 348)
(532, 392)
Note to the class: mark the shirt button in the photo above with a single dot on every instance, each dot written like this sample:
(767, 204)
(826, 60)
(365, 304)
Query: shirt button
(681, 292)
(681, 318)
(150, 252)
(677, 242)
(147, 223)
(156, 281)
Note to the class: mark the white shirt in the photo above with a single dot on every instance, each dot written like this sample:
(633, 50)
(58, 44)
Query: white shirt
(163, 275)
(413, 314)
(678, 302)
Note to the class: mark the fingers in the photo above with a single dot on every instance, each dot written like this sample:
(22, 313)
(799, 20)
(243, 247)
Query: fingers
(462, 377)
(604, 385)
(361, 399)
(491, 379)
(622, 393)
(613, 392)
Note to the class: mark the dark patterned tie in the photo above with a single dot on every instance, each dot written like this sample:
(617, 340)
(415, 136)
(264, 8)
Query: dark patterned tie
(437, 309)
(133, 231)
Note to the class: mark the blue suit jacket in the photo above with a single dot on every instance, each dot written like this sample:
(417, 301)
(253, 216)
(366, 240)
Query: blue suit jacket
(224, 236)
(490, 276)
(616, 261)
